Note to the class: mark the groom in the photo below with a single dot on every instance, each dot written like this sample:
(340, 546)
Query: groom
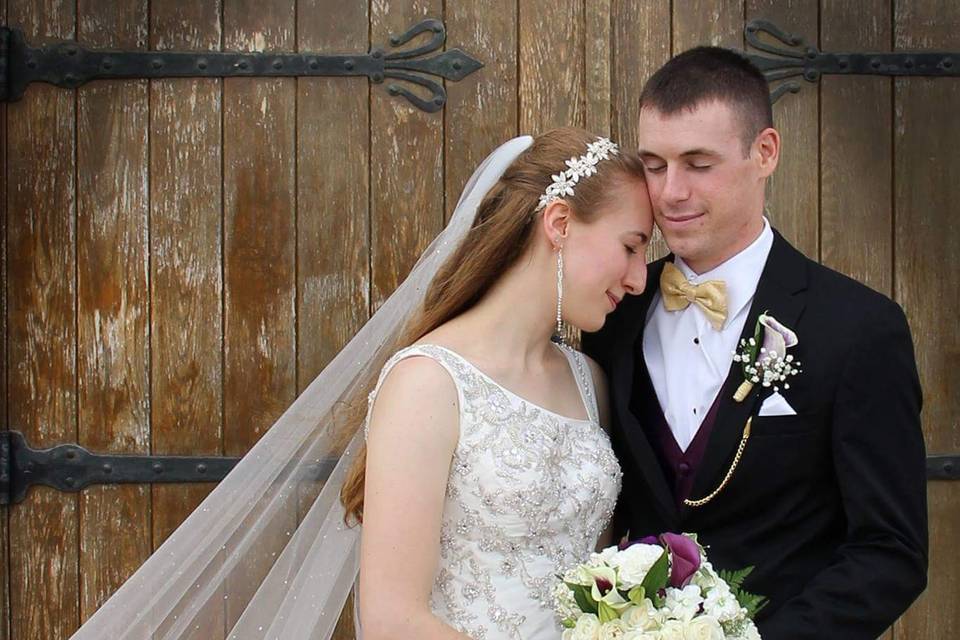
(819, 484)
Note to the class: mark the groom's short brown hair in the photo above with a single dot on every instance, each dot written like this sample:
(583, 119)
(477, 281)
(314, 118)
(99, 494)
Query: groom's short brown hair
(705, 74)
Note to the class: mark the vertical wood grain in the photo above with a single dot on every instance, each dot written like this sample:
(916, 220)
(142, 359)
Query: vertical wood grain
(186, 259)
(406, 162)
(793, 198)
(41, 264)
(552, 72)
(260, 218)
(481, 111)
(927, 245)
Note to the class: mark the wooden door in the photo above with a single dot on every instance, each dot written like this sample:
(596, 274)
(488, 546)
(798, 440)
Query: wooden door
(181, 257)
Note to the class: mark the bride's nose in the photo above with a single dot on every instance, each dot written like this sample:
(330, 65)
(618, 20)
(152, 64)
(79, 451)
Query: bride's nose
(635, 280)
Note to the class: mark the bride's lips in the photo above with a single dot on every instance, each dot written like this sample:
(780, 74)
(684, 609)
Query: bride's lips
(613, 300)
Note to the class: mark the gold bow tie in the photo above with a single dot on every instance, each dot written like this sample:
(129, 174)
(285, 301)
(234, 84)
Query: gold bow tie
(710, 296)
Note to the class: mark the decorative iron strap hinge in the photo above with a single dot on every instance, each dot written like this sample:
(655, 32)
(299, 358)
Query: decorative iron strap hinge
(811, 63)
(68, 65)
(69, 467)
(943, 467)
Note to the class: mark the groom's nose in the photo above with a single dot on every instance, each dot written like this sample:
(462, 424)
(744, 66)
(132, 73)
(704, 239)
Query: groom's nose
(675, 185)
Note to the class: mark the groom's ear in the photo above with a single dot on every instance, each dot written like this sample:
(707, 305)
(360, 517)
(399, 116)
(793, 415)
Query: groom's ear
(766, 150)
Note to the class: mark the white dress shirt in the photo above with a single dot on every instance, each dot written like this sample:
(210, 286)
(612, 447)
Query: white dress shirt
(687, 358)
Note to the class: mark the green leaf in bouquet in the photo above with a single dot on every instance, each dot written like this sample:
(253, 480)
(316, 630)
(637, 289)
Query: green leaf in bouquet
(656, 578)
(735, 578)
(636, 595)
(751, 602)
(607, 613)
(568, 623)
(584, 600)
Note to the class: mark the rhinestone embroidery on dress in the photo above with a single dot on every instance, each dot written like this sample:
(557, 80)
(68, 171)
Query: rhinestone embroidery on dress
(529, 492)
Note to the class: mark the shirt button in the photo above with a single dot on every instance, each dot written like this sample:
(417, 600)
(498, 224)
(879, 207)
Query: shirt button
(684, 468)
(696, 341)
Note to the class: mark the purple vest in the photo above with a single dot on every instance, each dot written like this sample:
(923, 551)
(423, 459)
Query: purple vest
(680, 467)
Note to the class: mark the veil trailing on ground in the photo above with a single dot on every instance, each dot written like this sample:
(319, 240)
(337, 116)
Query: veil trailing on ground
(266, 554)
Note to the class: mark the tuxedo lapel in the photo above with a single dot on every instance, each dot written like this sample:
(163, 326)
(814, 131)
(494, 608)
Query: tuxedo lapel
(779, 293)
(627, 376)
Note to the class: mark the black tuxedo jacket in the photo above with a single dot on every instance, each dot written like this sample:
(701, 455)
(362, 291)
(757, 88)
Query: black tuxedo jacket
(828, 505)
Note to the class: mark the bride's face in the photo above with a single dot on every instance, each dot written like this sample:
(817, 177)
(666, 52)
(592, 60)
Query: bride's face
(605, 259)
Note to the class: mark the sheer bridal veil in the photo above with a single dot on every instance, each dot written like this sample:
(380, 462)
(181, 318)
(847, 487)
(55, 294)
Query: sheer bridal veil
(248, 563)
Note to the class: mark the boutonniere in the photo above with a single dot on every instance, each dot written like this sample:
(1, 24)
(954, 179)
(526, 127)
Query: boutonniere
(764, 357)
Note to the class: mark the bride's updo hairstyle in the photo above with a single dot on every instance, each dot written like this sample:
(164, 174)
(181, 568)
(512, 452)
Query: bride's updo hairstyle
(502, 233)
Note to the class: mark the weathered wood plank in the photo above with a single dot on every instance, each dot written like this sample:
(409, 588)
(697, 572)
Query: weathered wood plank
(185, 258)
(481, 109)
(112, 300)
(707, 22)
(186, 253)
(552, 74)
(406, 163)
(927, 246)
(598, 53)
(333, 208)
(4, 515)
(41, 236)
(793, 191)
(641, 45)
(260, 215)
(333, 247)
(856, 149)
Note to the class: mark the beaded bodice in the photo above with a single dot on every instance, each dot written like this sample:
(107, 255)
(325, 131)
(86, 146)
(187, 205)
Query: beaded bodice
(528, 494)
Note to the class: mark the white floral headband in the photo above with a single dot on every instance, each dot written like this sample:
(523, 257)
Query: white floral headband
(578, 167)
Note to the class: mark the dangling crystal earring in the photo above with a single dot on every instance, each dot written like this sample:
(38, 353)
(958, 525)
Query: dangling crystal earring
(558, 335)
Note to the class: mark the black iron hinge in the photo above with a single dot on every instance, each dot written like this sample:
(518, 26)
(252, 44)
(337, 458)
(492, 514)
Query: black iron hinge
(797, 58)
(68, 65)
(69, 467)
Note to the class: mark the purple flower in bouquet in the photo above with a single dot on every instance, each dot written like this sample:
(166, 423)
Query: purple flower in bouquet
(684, 558)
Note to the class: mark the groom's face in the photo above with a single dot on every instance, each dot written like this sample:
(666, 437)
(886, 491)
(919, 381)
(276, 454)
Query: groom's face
(705, 183)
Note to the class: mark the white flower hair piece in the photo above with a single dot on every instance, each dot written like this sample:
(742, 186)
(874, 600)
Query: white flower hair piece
(578, 167)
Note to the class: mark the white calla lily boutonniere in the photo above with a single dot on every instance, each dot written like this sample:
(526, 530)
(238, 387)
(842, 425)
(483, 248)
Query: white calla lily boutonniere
(764, 357)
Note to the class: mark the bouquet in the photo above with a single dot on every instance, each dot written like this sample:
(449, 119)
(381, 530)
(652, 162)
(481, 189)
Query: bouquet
(655, 589)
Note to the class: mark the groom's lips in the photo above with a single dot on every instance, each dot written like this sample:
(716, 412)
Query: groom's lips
(681, 218)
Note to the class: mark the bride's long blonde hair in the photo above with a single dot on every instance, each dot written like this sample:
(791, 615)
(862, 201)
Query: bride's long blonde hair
(500, 235)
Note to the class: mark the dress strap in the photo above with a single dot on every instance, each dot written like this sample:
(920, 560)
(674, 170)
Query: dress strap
(581, 370)
(429, 351)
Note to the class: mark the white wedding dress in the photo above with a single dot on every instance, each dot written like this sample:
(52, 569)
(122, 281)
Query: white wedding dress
(528, 495)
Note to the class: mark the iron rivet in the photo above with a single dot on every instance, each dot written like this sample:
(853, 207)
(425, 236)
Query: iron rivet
(107, 64)
(378, 77)
(752, 28)
(348, 64)
(69, 481)
(157, 63)
(947, 63)
(844, 63)
(811, 54)
(201, 468)
(157, 467)
(875, 63)
(394, 40)
(107, 468)
(376, 54)
(437, 29)
(201, 63)
(393, 89)
(948, 467)
(70, 78)
(278, 64)
(242, 64)
(438, 101)
(457, 66)
(314, 64)
(908, 63)
(71, 455)
(32, 64)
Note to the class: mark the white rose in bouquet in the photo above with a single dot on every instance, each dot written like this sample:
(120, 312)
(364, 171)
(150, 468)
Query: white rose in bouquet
(703, 628)
(634, 562)
(671, 630)
(612, 630)
(588, 628)
(643, 616)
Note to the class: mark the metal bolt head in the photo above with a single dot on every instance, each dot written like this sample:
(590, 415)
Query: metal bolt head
(378, 77)
(157, 467)
(201, 468)
(157, 63)
(278, 64)
(108, 468)
(348, 64)
(202, 63)
(107, 63)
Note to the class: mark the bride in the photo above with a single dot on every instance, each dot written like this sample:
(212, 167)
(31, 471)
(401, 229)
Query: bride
(486, 469)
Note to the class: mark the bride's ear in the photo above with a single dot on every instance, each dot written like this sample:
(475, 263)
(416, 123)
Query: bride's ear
(556, 221)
